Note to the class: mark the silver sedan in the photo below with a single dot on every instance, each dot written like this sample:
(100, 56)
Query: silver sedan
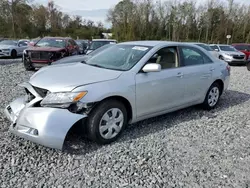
(123, 84)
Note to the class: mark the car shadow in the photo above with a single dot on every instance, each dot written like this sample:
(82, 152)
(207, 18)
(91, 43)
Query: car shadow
(78, 145)
(9, 60)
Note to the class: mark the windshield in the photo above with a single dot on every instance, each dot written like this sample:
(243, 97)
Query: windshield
(206, 47)
(243, 47)
(97, 44)
(51, 42)
(227, 48)
(9, 42)
(119, 57)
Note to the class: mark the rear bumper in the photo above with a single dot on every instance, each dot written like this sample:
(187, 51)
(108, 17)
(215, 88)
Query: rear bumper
(45, 126)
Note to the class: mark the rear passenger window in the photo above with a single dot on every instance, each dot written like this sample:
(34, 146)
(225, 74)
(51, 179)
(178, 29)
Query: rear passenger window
(193, 56)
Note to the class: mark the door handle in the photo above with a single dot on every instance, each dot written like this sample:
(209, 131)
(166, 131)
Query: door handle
(212, 69)
(180, 75)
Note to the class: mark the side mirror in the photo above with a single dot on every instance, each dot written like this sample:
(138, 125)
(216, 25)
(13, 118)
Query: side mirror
(216, 50)
(152, 67)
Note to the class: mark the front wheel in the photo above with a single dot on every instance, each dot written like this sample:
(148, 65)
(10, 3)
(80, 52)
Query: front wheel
(13, 54)
(27, 65)
(248, 66)
(212, 97)
(106, 122)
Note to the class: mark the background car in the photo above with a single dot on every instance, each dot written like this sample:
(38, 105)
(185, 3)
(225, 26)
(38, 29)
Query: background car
(12, 48)
(33, 41)
(125, 83)
(48, 50)
(244, 48)
(97, 43)
(208, 48)
(83, 44)
(229, 54)
(80, 58)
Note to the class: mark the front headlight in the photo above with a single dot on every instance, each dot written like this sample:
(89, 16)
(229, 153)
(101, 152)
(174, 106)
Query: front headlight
(228, 55)
(5, 50)
(63, 100)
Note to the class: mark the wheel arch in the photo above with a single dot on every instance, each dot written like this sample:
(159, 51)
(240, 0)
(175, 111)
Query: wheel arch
(126, 103)
(221, 84)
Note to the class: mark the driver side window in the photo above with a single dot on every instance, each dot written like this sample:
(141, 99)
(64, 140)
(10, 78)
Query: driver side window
(166, 57)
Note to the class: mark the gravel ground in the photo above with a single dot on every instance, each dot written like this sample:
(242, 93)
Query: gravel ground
(188, 148)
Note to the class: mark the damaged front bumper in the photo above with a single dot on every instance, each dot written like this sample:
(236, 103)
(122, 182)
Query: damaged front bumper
(42, 125)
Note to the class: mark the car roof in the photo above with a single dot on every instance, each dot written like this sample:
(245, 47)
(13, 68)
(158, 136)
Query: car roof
(195, 43)
(151, 43)
(60, 38)
(220, 44)
(103, 40)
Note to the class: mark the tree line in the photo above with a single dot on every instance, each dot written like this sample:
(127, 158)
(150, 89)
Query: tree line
(22, 19)
(173, 20)
(181, 20)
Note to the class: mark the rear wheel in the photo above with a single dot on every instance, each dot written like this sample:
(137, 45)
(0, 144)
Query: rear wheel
(13, 54)
(107, 121)
(212, 97)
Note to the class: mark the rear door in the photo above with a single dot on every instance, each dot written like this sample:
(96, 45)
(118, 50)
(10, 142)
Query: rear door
(198, 73)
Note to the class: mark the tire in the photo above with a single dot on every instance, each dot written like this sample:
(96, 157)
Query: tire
(111, 129)
(28, 65)
(13, 54)
(216, 89)
(248, 66)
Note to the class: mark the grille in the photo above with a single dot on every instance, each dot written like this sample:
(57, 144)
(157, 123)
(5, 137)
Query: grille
(238, 56)
(40, 55)
(40, 91)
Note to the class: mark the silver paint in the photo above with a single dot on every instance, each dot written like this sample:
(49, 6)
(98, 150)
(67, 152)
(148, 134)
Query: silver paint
(149, 94)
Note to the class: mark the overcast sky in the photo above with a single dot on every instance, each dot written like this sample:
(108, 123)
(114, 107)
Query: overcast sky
(80, 6)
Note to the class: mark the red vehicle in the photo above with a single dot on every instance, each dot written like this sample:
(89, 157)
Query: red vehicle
(48, 50)
(245, 48)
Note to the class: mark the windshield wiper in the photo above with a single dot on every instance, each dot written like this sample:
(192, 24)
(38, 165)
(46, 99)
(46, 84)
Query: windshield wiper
(84, 62)
(96, 65)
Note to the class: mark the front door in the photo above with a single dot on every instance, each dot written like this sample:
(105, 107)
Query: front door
(160, 91)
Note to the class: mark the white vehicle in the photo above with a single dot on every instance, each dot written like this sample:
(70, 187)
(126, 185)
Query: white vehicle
(208, 48)
(229, 54)
(97, 43)
(12, 48)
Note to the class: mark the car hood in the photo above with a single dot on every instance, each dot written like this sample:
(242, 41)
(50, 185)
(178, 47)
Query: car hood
(66, 77)
(6, 46)
(47, 49)
(233, 53)
(71, 59)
